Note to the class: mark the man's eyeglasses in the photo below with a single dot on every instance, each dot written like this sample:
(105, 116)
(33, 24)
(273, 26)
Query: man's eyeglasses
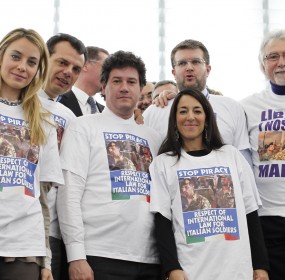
(195, 62)
(274, 56)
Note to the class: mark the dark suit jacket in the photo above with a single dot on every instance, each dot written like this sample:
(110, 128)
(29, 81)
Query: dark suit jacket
(70, 101)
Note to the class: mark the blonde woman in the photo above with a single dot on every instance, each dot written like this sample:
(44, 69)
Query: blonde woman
(23, 71)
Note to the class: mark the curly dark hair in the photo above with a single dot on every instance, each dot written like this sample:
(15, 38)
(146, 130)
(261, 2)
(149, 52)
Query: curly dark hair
(122, 59)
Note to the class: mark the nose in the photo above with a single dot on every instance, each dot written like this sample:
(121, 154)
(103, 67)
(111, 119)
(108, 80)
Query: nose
(281, 61)
(68, 70)
(21, 66)
(190, 116)
(189, 65)
(124, 86)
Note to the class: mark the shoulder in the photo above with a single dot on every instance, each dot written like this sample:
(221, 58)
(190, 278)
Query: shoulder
(226, 104)
(252, 100)
(67, 96)
(65, 110)
(227, 101)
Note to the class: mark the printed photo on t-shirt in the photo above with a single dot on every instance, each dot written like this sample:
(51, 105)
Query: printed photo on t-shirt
(271, 137)
(129, 157)
(18, 157)
(61, 124)
(271, 145)
(208, 204)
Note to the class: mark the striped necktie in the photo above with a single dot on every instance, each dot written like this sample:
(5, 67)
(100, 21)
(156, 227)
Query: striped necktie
(92, 104)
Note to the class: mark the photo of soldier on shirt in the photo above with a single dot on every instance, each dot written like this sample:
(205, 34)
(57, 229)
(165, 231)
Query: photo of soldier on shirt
(128, 155)
(118, 159)
(271, 145)
(206, 192)
(15, 142)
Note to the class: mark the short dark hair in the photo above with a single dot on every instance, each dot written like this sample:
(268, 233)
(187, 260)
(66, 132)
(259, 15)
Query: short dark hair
(172, 145)
(190, 44)
(94, 52)
(63, 37)
(122, 59)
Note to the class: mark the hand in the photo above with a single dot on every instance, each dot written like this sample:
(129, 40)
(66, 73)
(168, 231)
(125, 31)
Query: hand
(80, 270)
(46, 274)
(260, 274)
(138, 116)
(177, 274)
(162, 99)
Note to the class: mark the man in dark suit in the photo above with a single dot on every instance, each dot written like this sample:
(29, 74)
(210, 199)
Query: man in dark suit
(87, 85)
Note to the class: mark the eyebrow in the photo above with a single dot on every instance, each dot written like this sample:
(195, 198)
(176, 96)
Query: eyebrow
(18, 52)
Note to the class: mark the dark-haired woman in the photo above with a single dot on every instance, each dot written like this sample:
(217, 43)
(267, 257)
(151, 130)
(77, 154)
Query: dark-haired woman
(198, 243)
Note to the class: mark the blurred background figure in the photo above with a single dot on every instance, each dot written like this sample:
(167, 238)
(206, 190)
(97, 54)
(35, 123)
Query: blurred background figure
(146, 96)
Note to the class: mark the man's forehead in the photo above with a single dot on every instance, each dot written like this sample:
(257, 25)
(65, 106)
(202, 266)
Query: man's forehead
(124, 73)
(275, 45)
(197, 52)
(65, 51)
(147, 88)
(166, 87)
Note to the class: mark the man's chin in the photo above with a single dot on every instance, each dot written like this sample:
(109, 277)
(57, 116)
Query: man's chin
(280, 81)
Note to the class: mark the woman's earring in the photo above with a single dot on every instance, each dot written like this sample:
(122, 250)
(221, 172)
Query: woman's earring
(206, 134)
(176, 134)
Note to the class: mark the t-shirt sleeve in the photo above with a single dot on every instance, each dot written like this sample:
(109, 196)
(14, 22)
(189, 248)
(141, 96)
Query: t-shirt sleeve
(249, 189)
(160, 200)
(75, 149)
(241, 139)
(49, 163)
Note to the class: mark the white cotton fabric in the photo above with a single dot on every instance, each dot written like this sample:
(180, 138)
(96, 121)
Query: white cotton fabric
(91, 222)
(215, 258)
(21, 219)
(266, 116)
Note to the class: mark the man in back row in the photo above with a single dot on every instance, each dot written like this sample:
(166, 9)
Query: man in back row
(160, 115)
(81, 99)
(191, 67)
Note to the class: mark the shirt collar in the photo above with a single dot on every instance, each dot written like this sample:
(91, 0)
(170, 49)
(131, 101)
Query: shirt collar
(81, 95)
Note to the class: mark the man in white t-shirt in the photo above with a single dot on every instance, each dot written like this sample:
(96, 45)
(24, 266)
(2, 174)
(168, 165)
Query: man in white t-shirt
(266, 119)
(103, 208)
(191, 67)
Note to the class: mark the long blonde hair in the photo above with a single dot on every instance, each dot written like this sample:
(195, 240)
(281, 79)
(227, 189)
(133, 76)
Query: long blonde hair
(30, 101)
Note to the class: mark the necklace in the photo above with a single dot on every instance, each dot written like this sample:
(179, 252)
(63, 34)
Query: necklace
(10, 103)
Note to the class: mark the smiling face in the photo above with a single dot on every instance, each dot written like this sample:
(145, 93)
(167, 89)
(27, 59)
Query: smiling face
(146, 97)
(190, 120)
(190, 75)
(18, 68)
(65, 66)
(122, 91)
(275, 70)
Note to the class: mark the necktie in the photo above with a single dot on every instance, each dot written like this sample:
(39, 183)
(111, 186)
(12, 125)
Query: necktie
(92, 104)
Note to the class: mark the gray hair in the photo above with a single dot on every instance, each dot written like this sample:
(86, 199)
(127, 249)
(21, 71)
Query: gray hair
(162, 83)
(273, 35)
